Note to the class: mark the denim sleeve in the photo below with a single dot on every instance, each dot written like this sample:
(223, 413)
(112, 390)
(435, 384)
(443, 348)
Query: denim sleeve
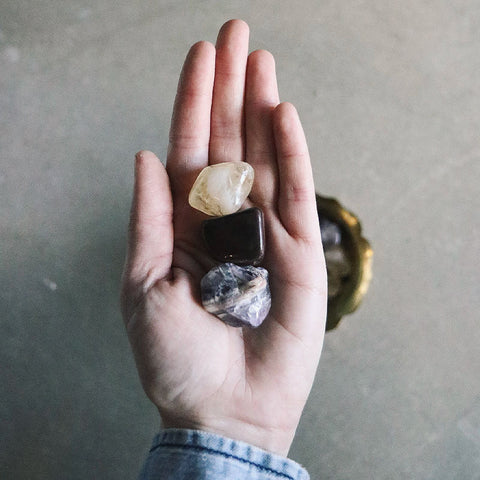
(180, 454)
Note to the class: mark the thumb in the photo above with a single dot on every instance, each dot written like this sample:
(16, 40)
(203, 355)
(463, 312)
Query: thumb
(150, 232)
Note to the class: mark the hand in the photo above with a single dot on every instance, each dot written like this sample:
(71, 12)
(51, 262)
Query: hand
(247, 384)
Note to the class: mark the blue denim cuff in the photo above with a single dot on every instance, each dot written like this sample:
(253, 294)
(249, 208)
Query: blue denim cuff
(183, 454)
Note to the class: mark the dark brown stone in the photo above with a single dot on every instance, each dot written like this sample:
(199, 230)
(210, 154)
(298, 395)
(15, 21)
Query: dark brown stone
(237, 238)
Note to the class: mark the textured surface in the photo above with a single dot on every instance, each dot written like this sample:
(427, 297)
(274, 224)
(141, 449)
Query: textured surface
(238, 295)
(389, 95)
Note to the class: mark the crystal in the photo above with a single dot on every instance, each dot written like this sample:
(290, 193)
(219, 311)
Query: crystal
(240, 296)
(331, 233)
(221, 189)
(237, 238)
(338, 269)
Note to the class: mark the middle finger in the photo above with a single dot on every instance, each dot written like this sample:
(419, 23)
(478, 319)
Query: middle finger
(227, 129)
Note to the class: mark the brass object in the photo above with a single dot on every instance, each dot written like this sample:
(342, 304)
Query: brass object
(359, 255)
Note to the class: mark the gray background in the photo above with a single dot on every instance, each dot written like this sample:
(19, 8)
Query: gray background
(389, 96)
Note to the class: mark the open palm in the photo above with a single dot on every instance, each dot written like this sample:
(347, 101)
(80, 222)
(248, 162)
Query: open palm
(247, 384)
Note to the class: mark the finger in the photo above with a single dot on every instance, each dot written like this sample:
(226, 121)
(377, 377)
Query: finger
(261, 97)
(190, 128)
(226, 136)
(296, 199)
(150, 240)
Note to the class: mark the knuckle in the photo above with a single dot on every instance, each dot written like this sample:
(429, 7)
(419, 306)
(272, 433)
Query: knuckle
(300, 194)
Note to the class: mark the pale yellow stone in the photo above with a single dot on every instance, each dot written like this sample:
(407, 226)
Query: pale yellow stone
(338, 268)
(221, 189)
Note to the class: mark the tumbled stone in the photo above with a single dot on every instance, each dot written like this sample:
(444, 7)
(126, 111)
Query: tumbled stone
(237, 238)
(331, 233)
(338, 269)
(221, 189)
(239, 296)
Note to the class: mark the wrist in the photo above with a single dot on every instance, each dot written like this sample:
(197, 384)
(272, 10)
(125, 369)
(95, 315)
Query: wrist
(273, 440)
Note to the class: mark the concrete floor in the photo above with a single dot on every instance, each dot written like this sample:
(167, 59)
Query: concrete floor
(389, 93)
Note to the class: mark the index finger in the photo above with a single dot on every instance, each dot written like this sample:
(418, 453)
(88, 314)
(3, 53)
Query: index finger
(190, 127)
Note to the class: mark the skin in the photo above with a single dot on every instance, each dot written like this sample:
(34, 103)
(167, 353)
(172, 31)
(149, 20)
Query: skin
(246, 384)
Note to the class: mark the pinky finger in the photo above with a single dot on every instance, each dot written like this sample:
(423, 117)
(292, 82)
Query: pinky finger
(296, 200)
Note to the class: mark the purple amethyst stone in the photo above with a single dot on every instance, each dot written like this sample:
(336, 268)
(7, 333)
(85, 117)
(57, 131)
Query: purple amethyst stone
(238, 295)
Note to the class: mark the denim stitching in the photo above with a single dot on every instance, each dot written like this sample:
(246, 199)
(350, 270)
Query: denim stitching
(226, 455)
